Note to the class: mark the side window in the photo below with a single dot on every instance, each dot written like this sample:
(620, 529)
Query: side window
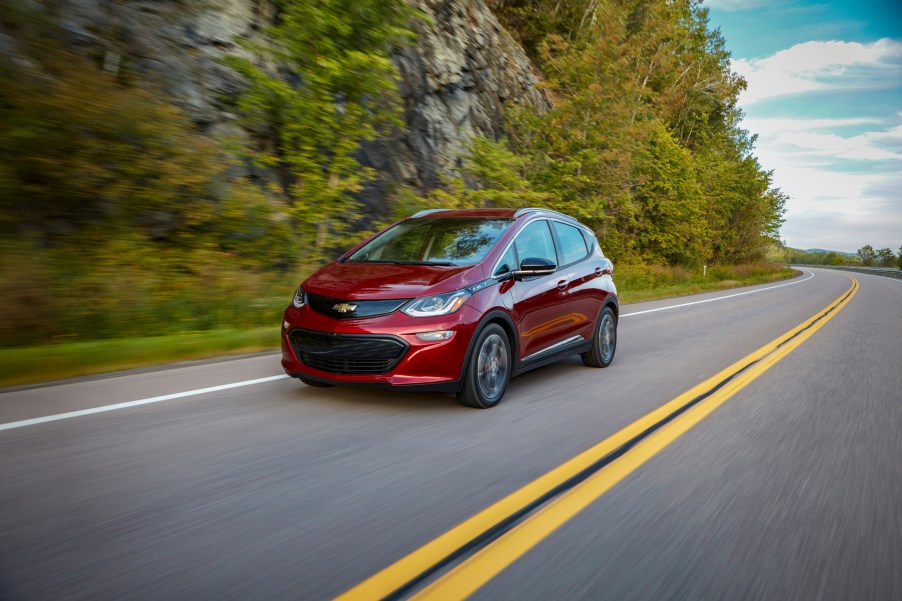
(535, 242)
(508, 262)
(573, 245)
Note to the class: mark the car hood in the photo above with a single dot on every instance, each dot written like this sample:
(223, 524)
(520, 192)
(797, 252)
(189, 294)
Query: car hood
(363, 281)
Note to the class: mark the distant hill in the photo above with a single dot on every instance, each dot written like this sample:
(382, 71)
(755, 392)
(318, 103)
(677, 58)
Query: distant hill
(821, 251)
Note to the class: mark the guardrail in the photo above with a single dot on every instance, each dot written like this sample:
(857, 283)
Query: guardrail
(887, 273)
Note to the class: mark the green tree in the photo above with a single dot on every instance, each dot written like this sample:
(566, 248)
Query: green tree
(745, 210)
(899, 261)
(885, 257)
(491, 176)
(867, 254)
(533, 20)
(328, 85)
(643, 141)
(671, 222)
(582, 152)
(117, 216)
(496, 176)
(86, 156)
(682, 68)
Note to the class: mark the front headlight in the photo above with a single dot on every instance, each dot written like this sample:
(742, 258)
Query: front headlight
(440, 304)
(299, 298)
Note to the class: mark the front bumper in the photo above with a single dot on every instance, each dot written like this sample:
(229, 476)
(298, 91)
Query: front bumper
(358, 351)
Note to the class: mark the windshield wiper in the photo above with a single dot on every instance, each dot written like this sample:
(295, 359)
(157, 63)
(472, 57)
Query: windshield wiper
(436, 263)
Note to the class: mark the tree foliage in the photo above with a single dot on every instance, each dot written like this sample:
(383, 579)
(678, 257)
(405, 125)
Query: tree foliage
(326, 84)
(117, 217)
(885, 257)
(491, 176)
(87, 157)
(644, 140)
(796, 256)
(867, 254)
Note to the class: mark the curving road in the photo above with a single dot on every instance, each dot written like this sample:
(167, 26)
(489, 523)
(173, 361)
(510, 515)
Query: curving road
(789, 489)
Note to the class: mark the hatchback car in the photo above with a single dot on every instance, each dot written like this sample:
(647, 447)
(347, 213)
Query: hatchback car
(457, 301)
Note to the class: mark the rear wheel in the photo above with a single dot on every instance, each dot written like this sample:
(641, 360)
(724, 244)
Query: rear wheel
(604, 343)
(489, 369)
(316, 383)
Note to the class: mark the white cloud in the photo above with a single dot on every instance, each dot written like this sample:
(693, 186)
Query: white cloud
(839, 211)
(857, 148)
(819, 65)
(831, 205)
(808, 142)
(789, 143)
(767, 126)
(807, 138)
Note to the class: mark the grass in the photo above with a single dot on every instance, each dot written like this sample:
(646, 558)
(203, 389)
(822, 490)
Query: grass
(639, 283)
(33, 364)
(43, 363)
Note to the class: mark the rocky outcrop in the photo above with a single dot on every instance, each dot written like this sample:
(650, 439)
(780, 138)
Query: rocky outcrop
(455, 79)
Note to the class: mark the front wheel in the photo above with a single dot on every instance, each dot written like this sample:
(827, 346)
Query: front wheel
(488, 370)
(604, 343)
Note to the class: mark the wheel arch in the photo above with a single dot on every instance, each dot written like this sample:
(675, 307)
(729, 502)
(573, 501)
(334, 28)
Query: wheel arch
(615, 307)
(507, 324)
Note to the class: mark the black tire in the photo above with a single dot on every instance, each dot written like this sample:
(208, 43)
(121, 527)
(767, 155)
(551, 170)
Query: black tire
(604, 342)
(488, 370)
(316, 383)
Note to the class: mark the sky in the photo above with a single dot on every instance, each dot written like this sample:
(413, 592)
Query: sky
(825, 99)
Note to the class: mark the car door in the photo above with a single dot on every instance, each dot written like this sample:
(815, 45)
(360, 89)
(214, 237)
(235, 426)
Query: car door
(541, 303)
(585, 288)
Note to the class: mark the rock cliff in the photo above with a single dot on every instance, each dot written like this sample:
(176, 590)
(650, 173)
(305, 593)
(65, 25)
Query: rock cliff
(455, 79)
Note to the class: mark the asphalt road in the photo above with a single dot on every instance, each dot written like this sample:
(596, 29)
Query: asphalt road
(792, 489)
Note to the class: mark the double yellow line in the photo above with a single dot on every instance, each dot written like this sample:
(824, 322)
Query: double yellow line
(495, 537)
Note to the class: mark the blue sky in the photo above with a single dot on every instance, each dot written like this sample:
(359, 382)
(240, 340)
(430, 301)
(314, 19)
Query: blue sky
(825, 98)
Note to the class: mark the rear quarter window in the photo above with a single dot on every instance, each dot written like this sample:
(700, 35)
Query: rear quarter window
(572, 244)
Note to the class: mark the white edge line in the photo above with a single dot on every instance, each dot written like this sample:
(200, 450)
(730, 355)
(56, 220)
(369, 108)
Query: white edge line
(155, 399)
(711, 300)
(178, 395)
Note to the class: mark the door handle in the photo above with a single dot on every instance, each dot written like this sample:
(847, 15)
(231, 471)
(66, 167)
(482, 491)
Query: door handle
(562, 284)
(608, 268)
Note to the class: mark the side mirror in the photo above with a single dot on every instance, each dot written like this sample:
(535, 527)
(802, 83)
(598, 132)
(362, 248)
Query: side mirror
(535, 266)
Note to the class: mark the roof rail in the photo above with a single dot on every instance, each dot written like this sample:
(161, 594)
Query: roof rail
(547, 212)
(426, 212)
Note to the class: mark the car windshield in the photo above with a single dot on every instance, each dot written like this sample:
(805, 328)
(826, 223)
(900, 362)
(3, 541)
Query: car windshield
(442, 241)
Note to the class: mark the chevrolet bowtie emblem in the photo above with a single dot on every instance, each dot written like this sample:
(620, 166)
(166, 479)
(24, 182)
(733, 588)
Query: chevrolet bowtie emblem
(344, 307)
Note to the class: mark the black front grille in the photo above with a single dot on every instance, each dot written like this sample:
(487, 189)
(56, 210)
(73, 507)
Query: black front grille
(346, 309)
(347, 354)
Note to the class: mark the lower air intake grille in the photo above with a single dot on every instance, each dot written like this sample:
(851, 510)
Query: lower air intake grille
(347, 354)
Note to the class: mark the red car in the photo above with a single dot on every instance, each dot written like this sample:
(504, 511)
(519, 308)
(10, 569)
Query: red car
(455, 301)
